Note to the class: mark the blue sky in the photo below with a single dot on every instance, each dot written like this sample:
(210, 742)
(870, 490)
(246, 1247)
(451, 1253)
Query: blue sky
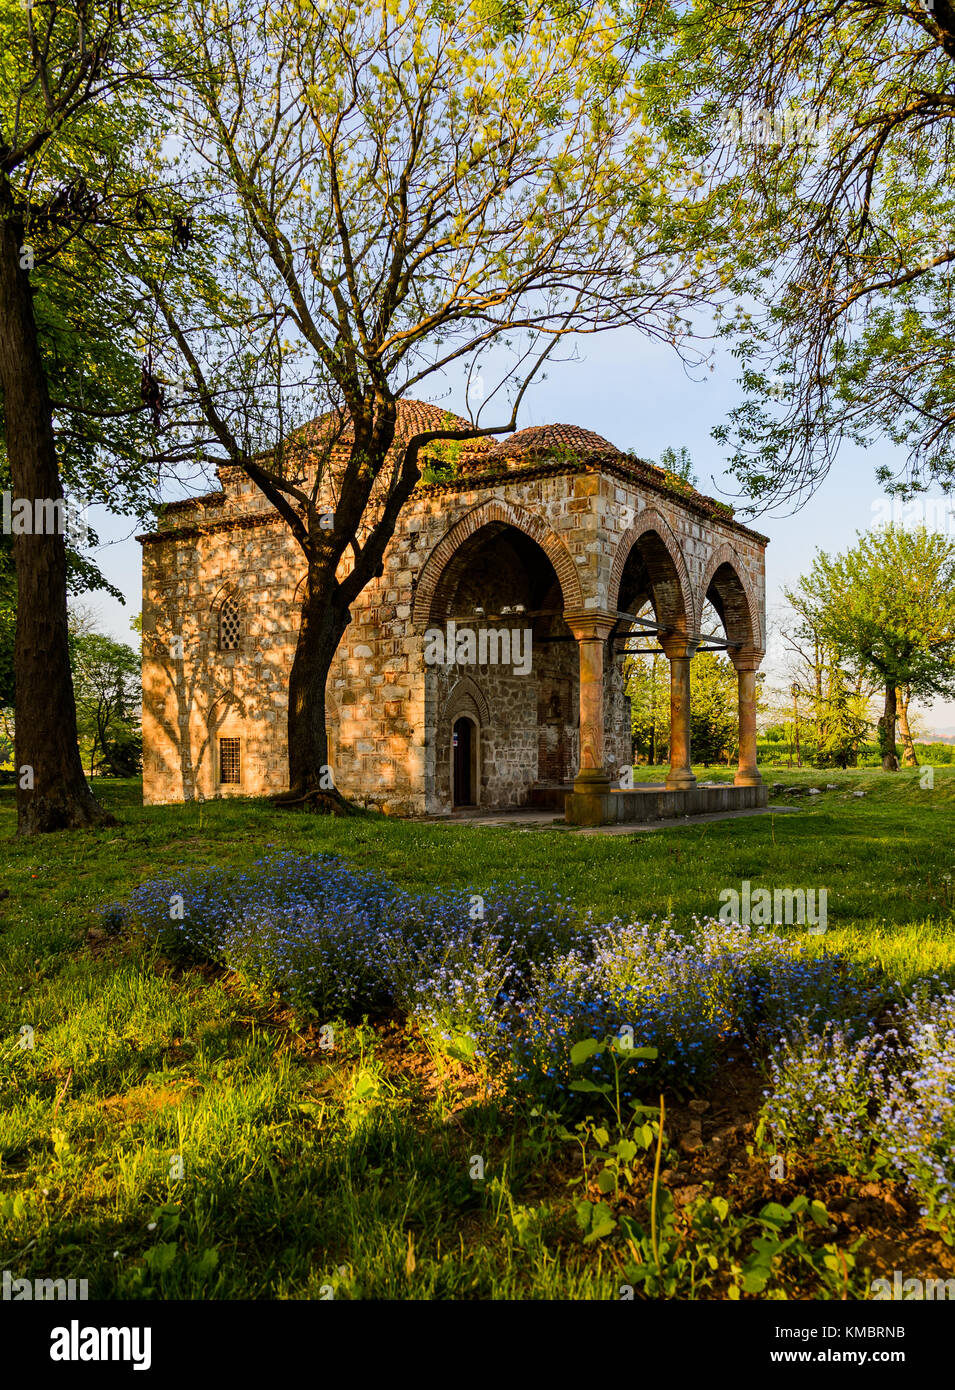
(635, 392)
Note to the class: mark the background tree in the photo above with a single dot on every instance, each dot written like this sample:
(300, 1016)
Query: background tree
(75, 181)
(8, 621)
(714, 717)
(837, 120)
(888, 607)
(393, 194)
(908, 726)
(829, 700)
(106, 679)
(714, 708)
(844, 724)
(648, 687)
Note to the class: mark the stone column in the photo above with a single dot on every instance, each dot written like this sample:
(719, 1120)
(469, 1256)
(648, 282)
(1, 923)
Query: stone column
(679, 652)
(747, 663)
(591, 632)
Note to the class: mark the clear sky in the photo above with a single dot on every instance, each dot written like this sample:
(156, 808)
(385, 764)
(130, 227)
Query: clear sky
(637, 394)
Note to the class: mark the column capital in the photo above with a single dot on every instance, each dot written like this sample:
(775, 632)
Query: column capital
(677, 646)
(746, 658)
(595, 625)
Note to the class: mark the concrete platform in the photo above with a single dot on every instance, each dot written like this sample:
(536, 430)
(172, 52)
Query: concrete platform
(527, 819)
(650, 802)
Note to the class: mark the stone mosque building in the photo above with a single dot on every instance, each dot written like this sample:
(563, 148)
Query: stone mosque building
(484, 668)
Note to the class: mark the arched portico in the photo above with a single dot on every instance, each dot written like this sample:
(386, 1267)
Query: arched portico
(649, 568)
(441, 570)
(497, 652)
(727, 588)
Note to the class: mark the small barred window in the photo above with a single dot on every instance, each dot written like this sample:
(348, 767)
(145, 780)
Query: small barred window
(229, 625)
(229, 765)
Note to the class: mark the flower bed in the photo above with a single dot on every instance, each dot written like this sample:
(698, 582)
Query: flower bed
(514, 977)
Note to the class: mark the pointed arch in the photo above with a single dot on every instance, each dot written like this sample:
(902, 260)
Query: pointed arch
(738, 604)
(227, 587)
(680, 607)
(428, 597)
(229, 623)
(467, 697)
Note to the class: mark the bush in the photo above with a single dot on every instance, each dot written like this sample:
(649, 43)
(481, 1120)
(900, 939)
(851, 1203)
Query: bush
(335, 939)
(689, 997)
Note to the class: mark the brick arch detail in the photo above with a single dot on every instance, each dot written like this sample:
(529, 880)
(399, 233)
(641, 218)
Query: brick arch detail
(472, 522)
(465, 695)
(652, 520)
(726, 555)
(229, 588)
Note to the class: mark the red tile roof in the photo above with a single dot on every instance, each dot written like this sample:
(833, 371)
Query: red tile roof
(540, 441)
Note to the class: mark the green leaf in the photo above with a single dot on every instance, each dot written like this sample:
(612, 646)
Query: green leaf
(775, 1215)
(161, 1256)
(580, 1052)
(602, 1223)
(819, 1214)
(585, 1085)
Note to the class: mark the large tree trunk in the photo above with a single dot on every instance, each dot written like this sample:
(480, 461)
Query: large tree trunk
(52, 791)
(324, 620)
(909, 755)
(890, 761)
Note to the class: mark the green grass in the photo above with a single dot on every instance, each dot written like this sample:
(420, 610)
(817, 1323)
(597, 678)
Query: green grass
(299, 1164)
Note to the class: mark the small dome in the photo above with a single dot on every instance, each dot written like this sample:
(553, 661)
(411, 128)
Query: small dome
(414, 417)
(540, 441)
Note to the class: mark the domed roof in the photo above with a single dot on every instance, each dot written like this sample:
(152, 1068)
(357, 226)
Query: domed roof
(413, 417)
(539, 441)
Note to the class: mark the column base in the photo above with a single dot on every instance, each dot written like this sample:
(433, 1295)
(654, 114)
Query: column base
(592, 782)
(747, 777)
(679, 780)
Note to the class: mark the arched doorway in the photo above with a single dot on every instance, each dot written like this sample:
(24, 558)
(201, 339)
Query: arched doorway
(465, 776)
(512, 672)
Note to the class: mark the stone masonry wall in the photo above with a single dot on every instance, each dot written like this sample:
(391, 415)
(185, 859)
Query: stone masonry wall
(388, 712)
